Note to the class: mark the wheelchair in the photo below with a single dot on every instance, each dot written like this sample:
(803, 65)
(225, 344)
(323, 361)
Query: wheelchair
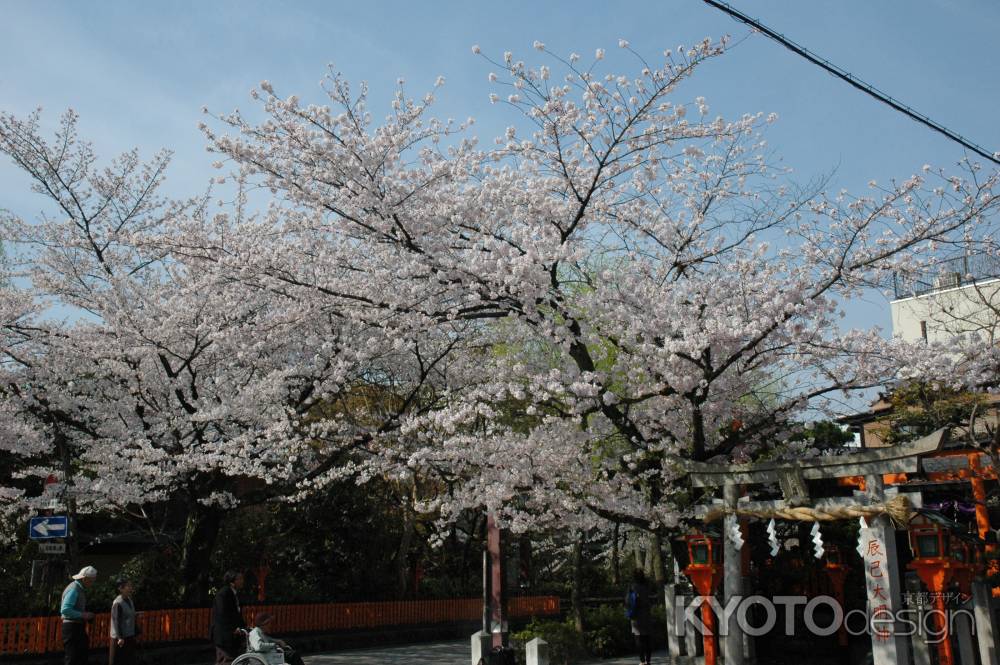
(272, 656)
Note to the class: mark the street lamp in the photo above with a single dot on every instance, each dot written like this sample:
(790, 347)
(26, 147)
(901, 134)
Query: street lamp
(964, 554)
(930, 542)
(705, 570)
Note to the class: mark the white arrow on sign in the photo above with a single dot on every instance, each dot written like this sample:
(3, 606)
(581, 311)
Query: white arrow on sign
(49, 529)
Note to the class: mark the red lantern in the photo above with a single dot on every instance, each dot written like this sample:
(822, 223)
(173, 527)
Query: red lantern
(964, 554)
(705, 570)
(928, 539)
(930, 542)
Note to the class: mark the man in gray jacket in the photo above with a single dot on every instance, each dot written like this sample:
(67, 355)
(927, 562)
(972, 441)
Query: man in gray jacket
(73, 609)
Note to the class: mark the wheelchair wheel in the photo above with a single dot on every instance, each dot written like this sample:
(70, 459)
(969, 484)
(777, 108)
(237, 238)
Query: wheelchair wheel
(249, 659)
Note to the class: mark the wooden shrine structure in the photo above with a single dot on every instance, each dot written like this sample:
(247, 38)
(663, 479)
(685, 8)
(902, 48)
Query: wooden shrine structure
(887, 485)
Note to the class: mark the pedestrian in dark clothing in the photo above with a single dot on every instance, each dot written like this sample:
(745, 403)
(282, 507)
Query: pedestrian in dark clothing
(124, 628)
(638, 606)
(73, 609)
(227, 619)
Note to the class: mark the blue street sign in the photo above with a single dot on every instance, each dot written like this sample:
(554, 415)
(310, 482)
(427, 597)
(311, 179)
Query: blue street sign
(52, 526)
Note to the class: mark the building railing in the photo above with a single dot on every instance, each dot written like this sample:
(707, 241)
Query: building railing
(948, 274)
(41, 635)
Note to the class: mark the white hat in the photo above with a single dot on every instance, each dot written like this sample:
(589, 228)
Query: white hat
(86, 571)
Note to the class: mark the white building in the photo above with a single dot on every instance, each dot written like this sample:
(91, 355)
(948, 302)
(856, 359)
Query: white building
(940, 315)
(954, 302)
(964, 297)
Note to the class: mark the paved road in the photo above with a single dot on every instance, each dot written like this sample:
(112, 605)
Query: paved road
(435, 653)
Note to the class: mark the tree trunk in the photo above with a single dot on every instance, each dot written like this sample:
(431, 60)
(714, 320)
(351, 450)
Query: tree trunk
(200, 534)
(576, 593)
(476, 535)
(405, 541)
(526, 572)
(659, 570)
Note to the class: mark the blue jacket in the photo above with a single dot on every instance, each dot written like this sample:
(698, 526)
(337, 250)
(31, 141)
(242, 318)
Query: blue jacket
(74, 602)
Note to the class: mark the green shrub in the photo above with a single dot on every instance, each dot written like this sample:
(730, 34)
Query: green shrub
(566, 645)
(604, 642)
(609, 632)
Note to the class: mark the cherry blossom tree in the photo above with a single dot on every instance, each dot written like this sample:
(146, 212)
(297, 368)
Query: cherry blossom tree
(549, 327)
(643, 282)
(17, 330)
(169, 385)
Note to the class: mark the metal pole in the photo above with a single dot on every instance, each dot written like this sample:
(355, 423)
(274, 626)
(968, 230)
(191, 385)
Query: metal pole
(486, 590)
(497, 627)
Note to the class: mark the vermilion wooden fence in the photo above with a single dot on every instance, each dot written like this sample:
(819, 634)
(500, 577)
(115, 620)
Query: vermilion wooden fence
(40, 635)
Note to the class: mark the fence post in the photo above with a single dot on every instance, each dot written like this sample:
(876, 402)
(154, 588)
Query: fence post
(537, 652)
(482, 644)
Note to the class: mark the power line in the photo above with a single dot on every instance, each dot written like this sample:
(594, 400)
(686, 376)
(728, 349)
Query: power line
(844, 75)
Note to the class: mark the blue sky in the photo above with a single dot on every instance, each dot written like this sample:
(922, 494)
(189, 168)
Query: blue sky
(139, 72)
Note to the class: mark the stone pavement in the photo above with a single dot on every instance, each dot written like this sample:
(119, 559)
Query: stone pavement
(434, 653)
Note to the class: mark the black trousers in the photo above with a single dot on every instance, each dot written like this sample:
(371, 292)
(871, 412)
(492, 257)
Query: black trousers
(122, 655)
(644, 644)
(222, 656)
(292, 658)
(75, 643)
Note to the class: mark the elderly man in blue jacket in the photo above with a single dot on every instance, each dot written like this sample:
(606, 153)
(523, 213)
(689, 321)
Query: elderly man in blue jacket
(73, 609)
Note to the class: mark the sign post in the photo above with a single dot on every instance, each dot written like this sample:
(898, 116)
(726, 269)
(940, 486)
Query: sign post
(882, 584)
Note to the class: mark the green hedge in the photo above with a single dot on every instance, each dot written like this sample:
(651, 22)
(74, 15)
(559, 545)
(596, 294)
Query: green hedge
(607, 633)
